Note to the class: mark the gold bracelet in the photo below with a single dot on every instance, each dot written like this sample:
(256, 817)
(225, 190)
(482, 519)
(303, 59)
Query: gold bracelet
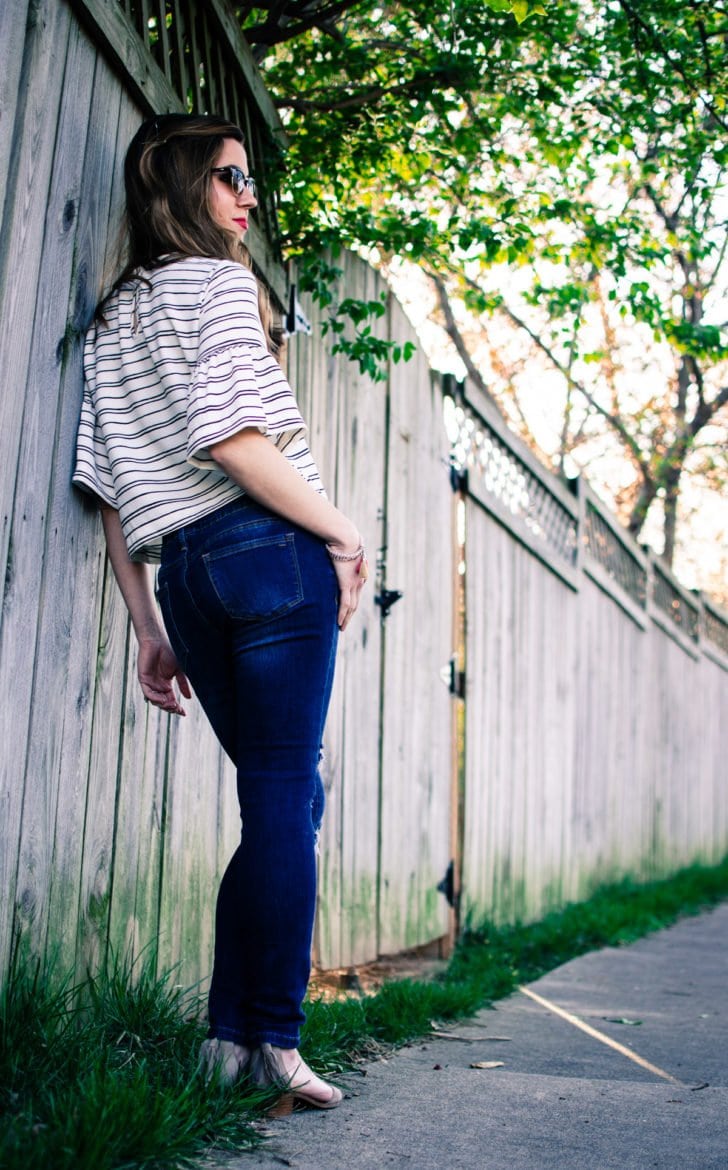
(355, 556)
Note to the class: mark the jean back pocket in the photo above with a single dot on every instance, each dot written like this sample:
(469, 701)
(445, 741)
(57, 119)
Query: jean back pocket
(257, 579)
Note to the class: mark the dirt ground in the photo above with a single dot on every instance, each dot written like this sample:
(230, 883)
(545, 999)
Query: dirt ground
(421, 964)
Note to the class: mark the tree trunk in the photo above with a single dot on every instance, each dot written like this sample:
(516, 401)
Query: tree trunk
(637, 518)
(675, 464)
(672, 496)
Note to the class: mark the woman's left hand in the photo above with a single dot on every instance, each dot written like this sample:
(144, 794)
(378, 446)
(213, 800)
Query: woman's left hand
(351, 576)
(157, 670)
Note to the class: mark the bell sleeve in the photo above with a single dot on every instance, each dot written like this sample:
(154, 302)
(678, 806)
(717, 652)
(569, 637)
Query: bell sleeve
(92, 472)
(236, 382)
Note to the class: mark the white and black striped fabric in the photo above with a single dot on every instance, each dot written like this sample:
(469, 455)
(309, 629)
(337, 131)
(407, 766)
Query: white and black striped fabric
(179, 363)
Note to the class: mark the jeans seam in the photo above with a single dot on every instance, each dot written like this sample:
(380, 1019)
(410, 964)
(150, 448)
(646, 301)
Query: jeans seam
(178, 643)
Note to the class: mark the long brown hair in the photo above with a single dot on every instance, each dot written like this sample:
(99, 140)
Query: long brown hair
(167, 178)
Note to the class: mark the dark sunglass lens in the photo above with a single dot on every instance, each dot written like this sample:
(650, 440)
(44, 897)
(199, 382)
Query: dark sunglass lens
(236, 179)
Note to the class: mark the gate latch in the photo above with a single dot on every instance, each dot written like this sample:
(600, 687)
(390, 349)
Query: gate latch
(386, 599)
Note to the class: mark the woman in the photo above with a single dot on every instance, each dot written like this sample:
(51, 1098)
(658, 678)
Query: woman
(192, 440)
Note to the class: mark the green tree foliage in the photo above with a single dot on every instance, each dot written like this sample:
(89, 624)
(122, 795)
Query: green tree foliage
(559, 170)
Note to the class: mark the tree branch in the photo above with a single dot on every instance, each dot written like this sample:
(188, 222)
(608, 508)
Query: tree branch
(613, 419)
(638, 515)
(638, 21)
(707, 410)
(700, 25)
(708, 283)
(365, 97)
(697, 375)
(456, 337)
(277, 29)
(692, 300)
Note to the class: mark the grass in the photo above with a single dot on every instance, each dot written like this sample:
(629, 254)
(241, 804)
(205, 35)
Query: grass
(490, 962)
(100, 1075)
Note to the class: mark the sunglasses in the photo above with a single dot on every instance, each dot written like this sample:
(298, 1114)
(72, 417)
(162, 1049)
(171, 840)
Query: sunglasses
(235, 178)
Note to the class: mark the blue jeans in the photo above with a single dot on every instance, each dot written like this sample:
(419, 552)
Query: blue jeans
(249, 601)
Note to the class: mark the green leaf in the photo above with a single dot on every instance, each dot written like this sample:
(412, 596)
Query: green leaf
(519, 8)
(567, 171)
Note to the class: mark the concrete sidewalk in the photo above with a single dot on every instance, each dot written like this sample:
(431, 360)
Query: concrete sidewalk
(562, 1098)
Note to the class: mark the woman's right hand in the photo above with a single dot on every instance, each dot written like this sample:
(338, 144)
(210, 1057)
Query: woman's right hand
(158, 670)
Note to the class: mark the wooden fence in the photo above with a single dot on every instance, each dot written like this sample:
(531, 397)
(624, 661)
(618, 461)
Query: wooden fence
(594, 741)
(382, 448)
(589, 742)
(116, 822)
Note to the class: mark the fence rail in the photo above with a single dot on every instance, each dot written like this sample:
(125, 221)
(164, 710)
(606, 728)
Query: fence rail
(604, 544)
(498, 470)
(715, 626)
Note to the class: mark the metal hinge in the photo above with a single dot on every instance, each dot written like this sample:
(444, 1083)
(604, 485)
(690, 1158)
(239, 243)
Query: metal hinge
(459, 479)
(296, 320)
(447, 885)
(453, 678)
(386, 598)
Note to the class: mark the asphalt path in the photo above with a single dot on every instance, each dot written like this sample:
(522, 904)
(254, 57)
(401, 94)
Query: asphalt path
(620, 1062)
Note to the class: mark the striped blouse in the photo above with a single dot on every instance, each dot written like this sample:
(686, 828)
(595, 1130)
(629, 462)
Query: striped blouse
(179, 364)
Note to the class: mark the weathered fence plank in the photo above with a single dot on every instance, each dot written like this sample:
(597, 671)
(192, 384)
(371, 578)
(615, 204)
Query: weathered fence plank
(521, 710)
(133, 914)
(190, 847)
(90, 247)
(346, 414)
(416, 758)
(360, 493)
(29, 332)
(13, 21)
(607, 825)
